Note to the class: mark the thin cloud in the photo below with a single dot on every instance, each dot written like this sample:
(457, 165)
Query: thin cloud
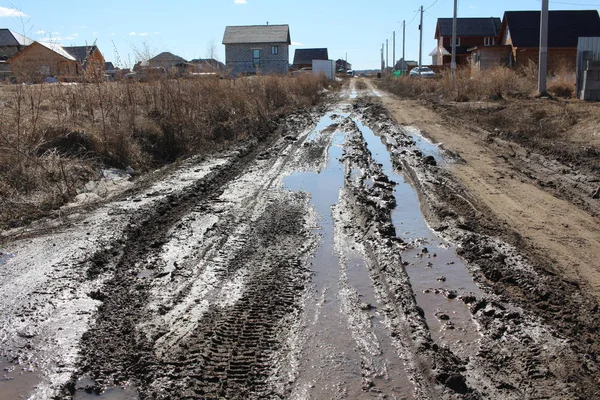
(132, 33)
(11, 12)
(41, 32)
(157, 33)
(296, 44)
(240, 1)
(144, 34)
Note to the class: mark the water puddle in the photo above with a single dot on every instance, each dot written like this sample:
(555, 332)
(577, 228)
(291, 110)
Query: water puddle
(17, 381)
(426, 146)
(4, 257)
(344, 334)
(438, 276)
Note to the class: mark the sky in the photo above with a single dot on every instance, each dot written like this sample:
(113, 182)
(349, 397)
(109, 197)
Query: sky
(126, 30)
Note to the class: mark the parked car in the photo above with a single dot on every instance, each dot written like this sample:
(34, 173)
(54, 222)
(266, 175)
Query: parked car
(423, 72)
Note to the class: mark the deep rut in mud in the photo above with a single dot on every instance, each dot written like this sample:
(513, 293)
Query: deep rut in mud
(303, 267)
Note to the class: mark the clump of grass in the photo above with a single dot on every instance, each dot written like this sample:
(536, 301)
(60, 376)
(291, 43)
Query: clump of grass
(53, 137)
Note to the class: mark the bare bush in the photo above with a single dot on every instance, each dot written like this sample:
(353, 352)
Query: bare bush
(51, 136)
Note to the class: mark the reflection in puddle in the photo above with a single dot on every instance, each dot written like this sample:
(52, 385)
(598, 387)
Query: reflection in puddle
(426, 147)
(437, 275)
(16, 381)
(4, 257)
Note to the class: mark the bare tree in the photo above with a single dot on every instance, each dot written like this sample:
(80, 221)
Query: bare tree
(211, 49)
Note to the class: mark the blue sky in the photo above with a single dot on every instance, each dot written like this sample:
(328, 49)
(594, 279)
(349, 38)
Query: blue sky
(125, 28)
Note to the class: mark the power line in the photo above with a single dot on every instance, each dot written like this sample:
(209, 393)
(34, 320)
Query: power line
(572, 4)
(434, 3)
(414, 16)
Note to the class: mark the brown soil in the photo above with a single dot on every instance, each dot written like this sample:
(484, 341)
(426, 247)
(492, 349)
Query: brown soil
(565, 230)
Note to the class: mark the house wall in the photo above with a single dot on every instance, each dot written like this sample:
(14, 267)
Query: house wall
(489, 57)
(465, 41)
(37, 62)
(238, 58)
(557, 58)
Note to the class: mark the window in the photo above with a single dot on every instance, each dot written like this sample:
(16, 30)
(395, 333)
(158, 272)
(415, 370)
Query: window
(458, 41)
(489, 41)
(256, 57)
(274, 50)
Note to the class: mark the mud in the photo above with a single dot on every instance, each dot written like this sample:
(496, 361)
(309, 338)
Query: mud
(335, 258)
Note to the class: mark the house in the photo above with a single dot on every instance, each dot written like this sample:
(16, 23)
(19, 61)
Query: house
(520, 33)
(40, 60)
(257, 49)
(342, 66)
(207, 65)
(165, 60)
(303, 58)
(12, 43)
(87, 57)
(470, 32)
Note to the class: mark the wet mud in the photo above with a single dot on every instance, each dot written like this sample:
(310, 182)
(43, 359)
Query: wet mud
(334, 258)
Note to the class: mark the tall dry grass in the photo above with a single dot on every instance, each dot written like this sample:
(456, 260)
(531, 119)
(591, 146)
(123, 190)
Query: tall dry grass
(54, 137)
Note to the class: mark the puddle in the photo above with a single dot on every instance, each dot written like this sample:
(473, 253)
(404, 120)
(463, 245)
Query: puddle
(336, 353)
(4, 257)
(427, 147)
(111, 393)
(435, 271)
(16, 381)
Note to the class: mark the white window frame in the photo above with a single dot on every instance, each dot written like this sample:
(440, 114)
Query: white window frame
(457, 41)
(489, 41)
(274, 50)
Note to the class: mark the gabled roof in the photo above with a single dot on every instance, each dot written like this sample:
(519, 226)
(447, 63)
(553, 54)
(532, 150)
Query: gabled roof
(257, 34)
(489, 26)
(58, 49)
(166, 56)
(11, 38)
(109, 66)
(80, 53)
(564, 27)
(305, 56)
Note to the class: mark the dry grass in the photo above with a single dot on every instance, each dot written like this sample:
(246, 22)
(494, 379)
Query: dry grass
(53, 138)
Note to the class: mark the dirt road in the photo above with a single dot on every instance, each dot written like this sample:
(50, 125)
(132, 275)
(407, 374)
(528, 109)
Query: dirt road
(342, 257)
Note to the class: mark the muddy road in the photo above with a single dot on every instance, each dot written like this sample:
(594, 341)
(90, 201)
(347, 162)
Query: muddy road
(337, 258)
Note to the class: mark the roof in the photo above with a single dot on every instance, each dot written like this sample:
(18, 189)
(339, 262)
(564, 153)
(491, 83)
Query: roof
(109, 66)
(166, 56)
(489, 26)
(80, 53)
(11, 38)
(305, 56)
(564, 27)
(257, 34)
(57, 48)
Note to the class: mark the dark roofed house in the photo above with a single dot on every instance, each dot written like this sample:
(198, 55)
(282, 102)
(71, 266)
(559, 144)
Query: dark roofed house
(207, 65)
(470, 32)
(86, 56)
(520, 31)
(12, 43)
(109, 66)
(257, 49)
(166, 60)
(303, 58)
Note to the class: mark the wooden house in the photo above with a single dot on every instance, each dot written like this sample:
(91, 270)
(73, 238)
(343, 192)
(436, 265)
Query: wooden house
(40, 60)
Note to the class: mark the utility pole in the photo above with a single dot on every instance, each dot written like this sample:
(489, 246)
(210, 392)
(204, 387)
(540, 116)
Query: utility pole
(394, 52)
(453, 62)
(382, 61)
(403, 46)
(420, 41)
(387, 55)
(543, 61)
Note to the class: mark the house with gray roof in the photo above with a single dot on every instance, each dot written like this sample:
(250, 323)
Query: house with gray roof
(257, 49)
(166, 60)
(12, 43)
(303, 58)
(86, 55)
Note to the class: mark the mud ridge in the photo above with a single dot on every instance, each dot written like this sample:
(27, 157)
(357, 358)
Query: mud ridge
(437, 373)
(111, 351)
(548, 349)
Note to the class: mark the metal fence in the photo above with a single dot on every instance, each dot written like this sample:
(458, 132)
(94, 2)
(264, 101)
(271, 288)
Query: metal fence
(588, 49)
